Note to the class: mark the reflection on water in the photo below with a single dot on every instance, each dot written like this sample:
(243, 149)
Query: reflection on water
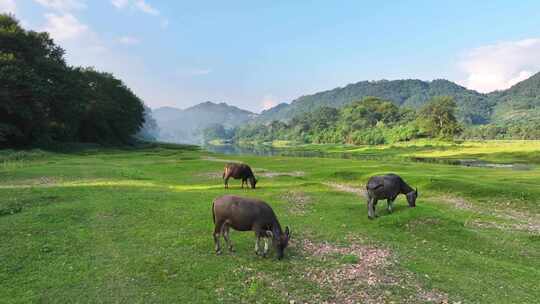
(271, 151)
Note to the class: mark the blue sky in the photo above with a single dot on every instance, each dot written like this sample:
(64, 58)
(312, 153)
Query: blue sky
(255, 54)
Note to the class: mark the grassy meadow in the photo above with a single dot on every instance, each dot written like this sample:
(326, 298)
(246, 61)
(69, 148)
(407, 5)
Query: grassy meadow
(135, 226)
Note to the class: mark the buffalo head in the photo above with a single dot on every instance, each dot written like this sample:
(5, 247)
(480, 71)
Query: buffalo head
(282, 242)
(411, 198)
(252, 182)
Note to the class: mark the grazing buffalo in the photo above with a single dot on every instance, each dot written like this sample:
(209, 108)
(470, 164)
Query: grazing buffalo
(239, 171)
(388, 187)
(248, 214)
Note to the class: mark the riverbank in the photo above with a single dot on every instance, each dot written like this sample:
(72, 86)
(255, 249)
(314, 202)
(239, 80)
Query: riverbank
(503, 152)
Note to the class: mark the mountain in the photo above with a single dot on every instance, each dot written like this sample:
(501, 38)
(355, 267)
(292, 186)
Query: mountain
(185, 126)
(518, 104)
(474, 107)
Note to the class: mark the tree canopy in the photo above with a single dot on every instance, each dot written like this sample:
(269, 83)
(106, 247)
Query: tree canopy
(43, 100)
(438, 117)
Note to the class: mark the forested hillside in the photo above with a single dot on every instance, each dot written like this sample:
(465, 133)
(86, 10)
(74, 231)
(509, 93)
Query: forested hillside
(473, 107)
(370, 121)
(43, 100)
(520, 102)
(513, 113)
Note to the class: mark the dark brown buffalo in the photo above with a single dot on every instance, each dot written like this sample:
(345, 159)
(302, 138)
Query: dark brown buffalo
(248, 214)
(239, 171)
(388, 187)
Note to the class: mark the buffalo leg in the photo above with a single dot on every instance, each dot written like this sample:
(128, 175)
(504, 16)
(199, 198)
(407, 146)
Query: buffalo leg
(217, 233)
(390, 205)
(225, 231)
(372, 202)
(257, 244)
(266, 247)
(227, 182)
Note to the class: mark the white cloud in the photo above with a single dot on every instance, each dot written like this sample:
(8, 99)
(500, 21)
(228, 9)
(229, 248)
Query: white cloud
(64, 27)
(63, 5)
(501, 65)
(129, 40)
(142, 6)
(7, 6)
(268, 102)
(120, 3)
(146, 8)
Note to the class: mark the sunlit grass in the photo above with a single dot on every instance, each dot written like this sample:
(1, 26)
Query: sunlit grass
(117, 226)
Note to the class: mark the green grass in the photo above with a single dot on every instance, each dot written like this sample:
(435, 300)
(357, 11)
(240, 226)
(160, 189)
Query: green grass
(134, 226)
(497, 151)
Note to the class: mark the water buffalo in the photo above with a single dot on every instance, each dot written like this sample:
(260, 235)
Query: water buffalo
(248, 214)
(239, 171)
(388, 187)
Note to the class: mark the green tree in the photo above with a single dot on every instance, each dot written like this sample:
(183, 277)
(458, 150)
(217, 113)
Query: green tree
(43, 100)
(36, 90)
(368, 113)
(438, 118)
(112, 113)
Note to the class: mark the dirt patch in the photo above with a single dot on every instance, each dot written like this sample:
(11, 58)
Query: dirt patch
(347, 188)
(525, 221)
(44, 181)
(367, 278)
(220, 160)
(210, 175)
(457, 202)
(298, 201)
(521, 226)
(271, 174)
(421, 222)
(518, 220)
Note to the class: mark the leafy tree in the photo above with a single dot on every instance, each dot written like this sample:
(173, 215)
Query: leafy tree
(438, 118)
(368, 113)
(43, 100)
(215, 131)
(112, 112)
(34, 82)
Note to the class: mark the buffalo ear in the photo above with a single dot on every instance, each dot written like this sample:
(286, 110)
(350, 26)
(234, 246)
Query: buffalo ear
(416, 191)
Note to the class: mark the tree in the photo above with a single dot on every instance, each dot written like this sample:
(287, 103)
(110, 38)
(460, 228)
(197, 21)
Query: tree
(43, 100)
(368, 113)
(32, 85)
(112, 113)
(214, 131)
(438, 118)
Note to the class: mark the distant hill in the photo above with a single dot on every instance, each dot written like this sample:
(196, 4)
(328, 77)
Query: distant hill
(520, 103)
(185, 126)
(474, 107)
